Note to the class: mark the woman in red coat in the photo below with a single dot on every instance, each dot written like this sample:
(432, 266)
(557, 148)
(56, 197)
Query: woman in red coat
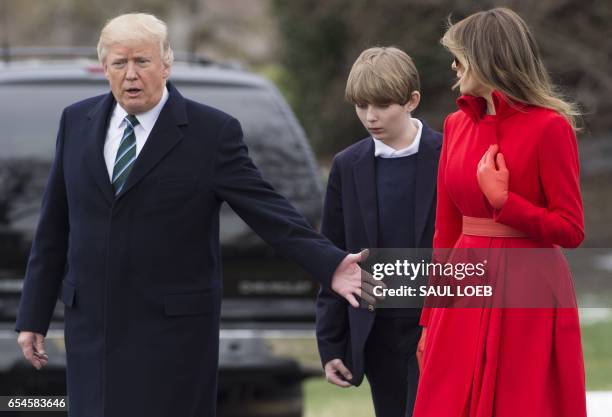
(508, 178)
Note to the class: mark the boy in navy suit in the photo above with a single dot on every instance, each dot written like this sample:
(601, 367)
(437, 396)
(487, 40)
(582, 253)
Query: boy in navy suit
(380, 194)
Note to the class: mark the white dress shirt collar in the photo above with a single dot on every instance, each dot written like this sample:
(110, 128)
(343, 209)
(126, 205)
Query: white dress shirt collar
(385, 151)
(147, 119)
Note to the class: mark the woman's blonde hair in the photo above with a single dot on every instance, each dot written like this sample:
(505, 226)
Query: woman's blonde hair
(497, 48)
(135, 27)
(382, 75)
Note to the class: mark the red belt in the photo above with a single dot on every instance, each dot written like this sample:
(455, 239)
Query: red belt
(479, 226)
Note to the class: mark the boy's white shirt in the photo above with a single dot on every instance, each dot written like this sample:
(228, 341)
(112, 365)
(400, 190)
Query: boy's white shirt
(385, 151)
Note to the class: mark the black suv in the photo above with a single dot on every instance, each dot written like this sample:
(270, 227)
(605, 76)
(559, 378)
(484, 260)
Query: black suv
(266, 298)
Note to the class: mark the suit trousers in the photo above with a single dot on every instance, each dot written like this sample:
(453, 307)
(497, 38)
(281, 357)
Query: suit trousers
(391, 366)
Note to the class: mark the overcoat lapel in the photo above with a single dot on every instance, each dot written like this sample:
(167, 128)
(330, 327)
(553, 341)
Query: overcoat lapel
(94, 153)
(364, 170)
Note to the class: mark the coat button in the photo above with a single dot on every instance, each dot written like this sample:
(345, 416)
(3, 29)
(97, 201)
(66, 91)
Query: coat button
(370, 308)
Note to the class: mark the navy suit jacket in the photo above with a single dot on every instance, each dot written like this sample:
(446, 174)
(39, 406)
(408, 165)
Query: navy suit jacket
(140, 273)
(350, 220)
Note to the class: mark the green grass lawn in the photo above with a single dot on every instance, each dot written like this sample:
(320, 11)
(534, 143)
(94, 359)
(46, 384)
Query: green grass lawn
(597, 346)
(325, 400)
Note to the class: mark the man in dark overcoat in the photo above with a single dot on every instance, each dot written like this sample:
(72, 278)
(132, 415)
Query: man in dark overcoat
(128, 237)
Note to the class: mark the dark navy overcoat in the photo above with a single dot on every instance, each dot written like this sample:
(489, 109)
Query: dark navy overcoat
(140, 273)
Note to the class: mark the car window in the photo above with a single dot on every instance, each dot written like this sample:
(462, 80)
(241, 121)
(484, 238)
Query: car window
(29, 115)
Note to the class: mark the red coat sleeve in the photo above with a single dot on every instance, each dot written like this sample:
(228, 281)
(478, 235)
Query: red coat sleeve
(561, 221)
(449, 220)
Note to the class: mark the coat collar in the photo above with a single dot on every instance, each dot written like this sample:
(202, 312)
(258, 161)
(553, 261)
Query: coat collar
(165, 135)
(476, 107)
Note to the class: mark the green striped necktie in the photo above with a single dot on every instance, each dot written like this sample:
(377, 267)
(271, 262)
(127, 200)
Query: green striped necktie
(126, 154)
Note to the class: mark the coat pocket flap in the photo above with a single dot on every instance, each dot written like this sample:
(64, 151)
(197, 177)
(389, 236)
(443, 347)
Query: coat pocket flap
(188, 304)
(67, 293)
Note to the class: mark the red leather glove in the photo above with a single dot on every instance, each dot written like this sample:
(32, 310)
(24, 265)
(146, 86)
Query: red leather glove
(493, 177)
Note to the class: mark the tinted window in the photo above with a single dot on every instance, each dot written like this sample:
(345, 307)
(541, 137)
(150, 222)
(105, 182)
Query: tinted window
(29, 116)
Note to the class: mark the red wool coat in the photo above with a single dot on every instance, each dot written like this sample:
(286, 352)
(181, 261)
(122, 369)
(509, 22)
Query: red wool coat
(493, 362)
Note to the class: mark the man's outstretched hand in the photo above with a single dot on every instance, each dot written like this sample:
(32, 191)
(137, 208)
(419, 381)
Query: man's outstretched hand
(350, 281)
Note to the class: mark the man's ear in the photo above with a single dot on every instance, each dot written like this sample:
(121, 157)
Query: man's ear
(413, 103)
(166, 71)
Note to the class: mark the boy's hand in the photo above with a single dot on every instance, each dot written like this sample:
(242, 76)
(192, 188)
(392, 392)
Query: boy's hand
(420, 351)
(338, 374)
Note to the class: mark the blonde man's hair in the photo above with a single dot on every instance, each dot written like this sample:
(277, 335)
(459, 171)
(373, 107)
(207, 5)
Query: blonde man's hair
(497, 48)
(382, 75)
(135, 27)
